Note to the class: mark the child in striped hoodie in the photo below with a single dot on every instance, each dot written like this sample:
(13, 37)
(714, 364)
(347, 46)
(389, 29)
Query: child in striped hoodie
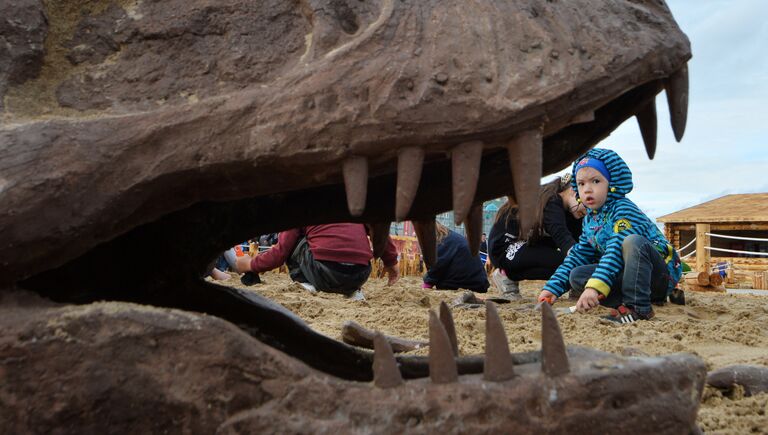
(621, 260)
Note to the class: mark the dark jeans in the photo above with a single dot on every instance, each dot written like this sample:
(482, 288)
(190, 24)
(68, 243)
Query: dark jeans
(537, 261)
(644, 280)
(337, 278)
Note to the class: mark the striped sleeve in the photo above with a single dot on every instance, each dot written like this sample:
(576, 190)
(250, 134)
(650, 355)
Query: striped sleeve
(626, 220)
(582, 253)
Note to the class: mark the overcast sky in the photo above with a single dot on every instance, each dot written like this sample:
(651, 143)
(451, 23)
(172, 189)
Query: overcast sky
(725, 148)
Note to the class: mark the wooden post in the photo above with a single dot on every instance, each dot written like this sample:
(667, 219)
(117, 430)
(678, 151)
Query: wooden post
(698, 278)
(715, 279)
(702, 240)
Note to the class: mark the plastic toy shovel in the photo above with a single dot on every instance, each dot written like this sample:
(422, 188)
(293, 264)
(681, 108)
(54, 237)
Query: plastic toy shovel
(569, 310)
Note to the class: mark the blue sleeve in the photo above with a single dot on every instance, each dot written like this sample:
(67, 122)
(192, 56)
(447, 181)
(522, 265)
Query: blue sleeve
(581, 254)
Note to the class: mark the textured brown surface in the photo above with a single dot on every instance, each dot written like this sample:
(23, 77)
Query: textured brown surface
(498, 361)
(144, 137)
(752, 378)
(446, 319)
(354, 334)
(142, 109)
(115, 367)
(22, 32)
(386, 374)
(721, 329)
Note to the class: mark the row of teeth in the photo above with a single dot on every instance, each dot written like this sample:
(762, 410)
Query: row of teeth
(525, 157)
(498, 365)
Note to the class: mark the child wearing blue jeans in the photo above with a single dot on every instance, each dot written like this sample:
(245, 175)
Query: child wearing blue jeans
(621, 260)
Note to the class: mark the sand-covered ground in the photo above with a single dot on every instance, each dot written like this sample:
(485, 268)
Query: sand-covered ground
(721, 329)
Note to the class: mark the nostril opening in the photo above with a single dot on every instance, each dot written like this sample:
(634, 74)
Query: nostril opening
(345, 16)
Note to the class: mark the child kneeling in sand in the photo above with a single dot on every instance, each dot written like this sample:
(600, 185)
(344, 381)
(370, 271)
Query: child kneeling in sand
(621, 260)
(330, 258)
(455, 267)
(538, 254)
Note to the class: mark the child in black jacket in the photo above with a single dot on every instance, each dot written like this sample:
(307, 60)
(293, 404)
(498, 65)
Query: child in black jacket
(455, 267)
(538, 254)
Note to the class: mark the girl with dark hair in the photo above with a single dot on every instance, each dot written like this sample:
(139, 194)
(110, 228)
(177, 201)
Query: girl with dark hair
(455, 267)
(538, 254)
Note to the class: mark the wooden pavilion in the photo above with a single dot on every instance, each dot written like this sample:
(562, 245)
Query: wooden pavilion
(742, 219)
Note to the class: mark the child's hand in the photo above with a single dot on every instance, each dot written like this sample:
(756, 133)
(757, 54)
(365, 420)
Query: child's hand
(547, 296)
(393, 274)
(588, 300)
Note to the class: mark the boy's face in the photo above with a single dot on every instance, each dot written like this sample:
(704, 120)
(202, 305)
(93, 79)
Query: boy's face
(593, 187)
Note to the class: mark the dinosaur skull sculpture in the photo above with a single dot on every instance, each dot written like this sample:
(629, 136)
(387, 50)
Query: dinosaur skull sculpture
(131, 129)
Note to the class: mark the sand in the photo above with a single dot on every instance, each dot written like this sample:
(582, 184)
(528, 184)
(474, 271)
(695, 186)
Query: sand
(722, 329)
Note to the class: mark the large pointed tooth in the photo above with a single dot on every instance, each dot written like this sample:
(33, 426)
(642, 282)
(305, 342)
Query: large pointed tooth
(409, 163)
(554, 359)
(425, 232)
(525, 160)
(498, 360)
(442, 365)
(446, 318)
(676, 86)
(474, 228)
(356, 184)
(465, 160)
(385, 371)
(646, 120)
(379, 233)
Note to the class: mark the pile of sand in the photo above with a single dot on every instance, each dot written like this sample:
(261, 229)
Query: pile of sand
(721, 329)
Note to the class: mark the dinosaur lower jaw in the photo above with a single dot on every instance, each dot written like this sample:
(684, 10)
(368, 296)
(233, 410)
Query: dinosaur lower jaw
(139, 353)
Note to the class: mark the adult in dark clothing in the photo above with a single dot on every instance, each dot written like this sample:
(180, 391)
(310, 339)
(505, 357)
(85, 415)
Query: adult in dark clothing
(332, 258)
(455, 267)
(538, 254)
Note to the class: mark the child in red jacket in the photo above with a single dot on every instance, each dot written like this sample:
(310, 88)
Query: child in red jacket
(332, 258)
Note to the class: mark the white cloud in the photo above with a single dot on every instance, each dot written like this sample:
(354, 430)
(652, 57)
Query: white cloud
(725, 148)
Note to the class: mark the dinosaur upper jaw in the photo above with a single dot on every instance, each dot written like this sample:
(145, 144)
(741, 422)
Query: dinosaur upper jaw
(220, 223)
(363, 97)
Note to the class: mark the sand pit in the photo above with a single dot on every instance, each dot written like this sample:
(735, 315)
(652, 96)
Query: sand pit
(721, 329)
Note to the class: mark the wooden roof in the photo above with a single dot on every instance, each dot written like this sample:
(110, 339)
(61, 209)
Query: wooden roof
(745, 207)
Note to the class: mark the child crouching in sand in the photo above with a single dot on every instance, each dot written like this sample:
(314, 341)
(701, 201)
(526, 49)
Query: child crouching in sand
(621, 260)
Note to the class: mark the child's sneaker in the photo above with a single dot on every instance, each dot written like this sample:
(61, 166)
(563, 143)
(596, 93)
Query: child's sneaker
(308, 287)
(623, 315)
(509, 289)
(357, 295)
